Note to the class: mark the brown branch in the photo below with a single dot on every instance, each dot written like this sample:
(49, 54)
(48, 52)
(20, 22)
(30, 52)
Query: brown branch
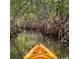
(18, 11)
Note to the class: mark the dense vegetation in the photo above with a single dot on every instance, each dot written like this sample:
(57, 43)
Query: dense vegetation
(39, 21)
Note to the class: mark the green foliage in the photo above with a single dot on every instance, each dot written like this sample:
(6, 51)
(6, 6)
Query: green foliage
(34, 9)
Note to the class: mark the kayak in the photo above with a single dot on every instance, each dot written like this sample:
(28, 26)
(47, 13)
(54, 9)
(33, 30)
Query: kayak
(40, 52)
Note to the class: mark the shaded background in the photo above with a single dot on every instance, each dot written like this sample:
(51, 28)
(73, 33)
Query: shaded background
(39, 21)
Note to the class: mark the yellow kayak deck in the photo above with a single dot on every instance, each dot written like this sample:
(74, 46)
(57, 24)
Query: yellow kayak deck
(40, 52)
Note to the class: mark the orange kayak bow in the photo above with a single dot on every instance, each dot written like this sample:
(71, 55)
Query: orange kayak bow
(40, 52)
